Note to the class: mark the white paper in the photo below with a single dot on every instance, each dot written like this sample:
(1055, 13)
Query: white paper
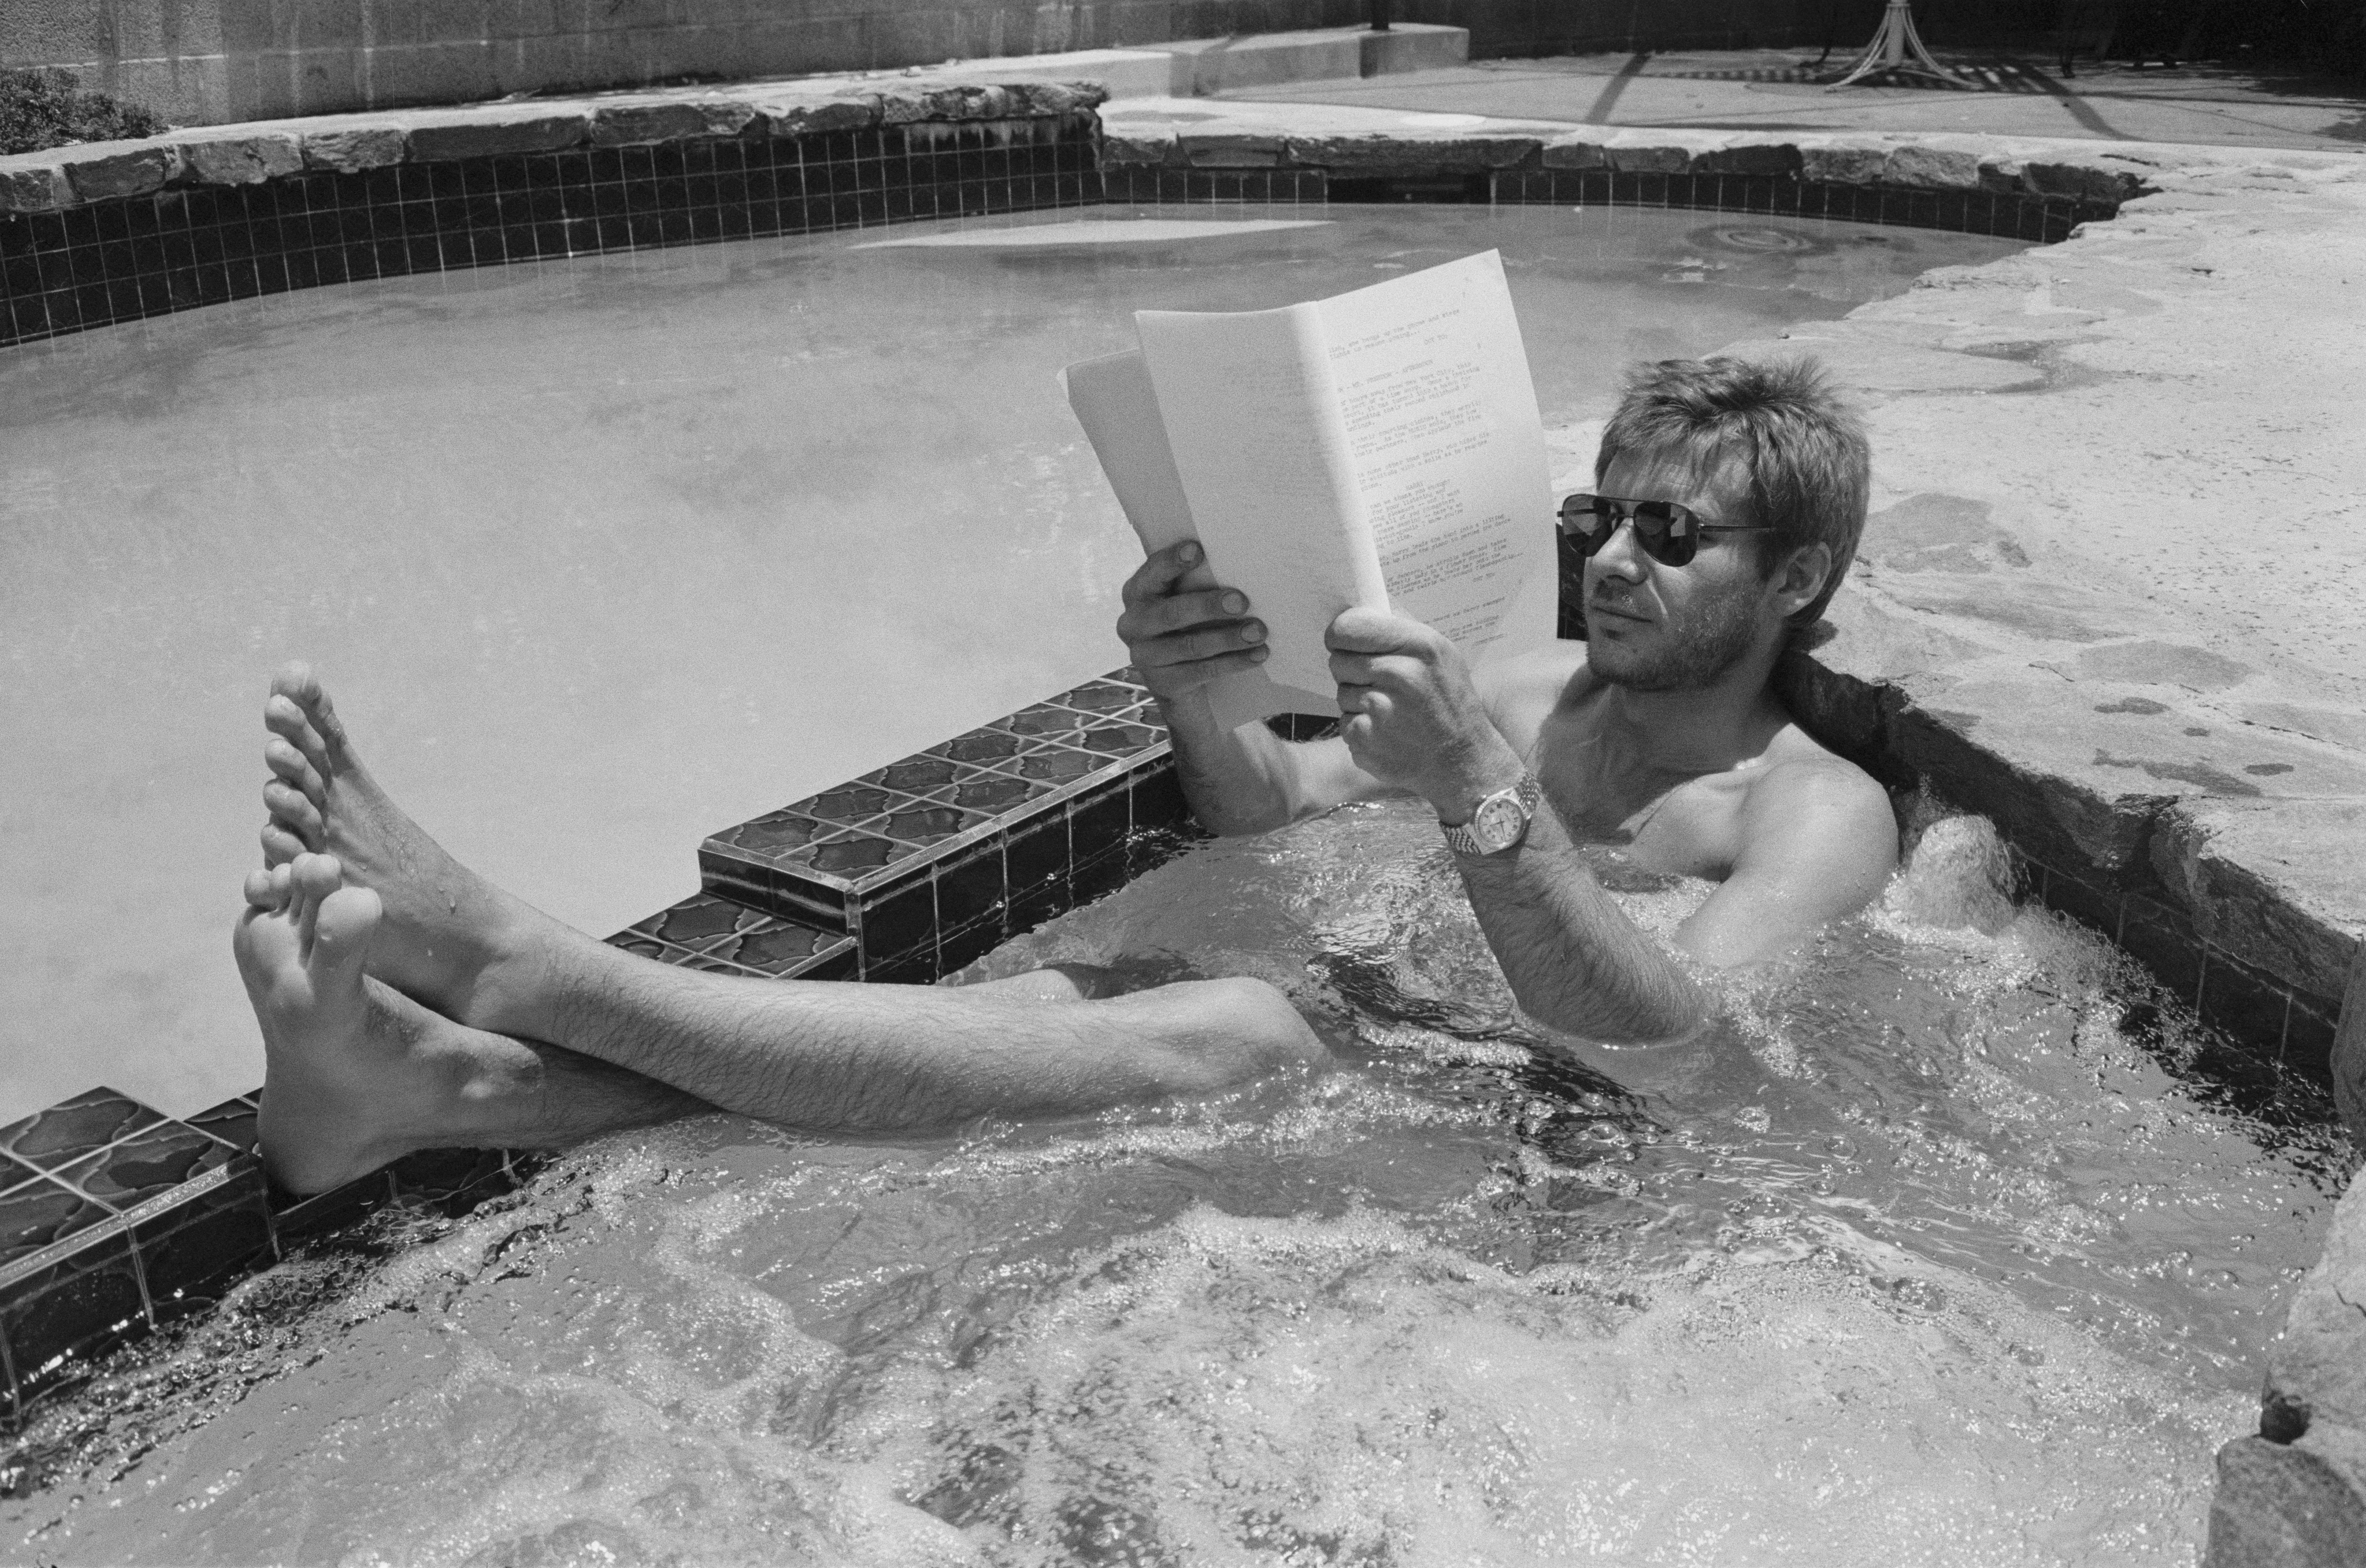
(1379, 448)
(1113, 400)
(1448, 452)
(1254, 423)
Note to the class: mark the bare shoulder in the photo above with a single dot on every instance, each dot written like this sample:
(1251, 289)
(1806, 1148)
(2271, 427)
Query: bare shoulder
(1521, 693)
(1809, 799)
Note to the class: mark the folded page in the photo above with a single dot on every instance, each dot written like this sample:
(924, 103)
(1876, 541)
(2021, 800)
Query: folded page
(1113, 400)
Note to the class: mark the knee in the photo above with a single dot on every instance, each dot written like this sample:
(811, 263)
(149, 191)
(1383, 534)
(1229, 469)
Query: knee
(1237, 1028)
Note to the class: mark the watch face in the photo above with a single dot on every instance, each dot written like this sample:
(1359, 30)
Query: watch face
(1498, 823)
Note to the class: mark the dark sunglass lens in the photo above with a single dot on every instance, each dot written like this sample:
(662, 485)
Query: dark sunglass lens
(1665, 530)
(1586, 521)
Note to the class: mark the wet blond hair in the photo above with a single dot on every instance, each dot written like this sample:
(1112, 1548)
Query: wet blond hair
(1803, 448)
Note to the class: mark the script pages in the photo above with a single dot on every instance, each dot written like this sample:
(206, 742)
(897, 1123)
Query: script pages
(1379, 448)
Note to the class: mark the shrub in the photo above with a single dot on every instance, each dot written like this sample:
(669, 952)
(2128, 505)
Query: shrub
(41, 109)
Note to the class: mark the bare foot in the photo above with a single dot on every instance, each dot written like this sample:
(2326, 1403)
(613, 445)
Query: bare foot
(448, 937)
(355, 1075)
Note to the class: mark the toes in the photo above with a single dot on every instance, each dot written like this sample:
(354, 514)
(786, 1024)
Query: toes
(265, 891)
(313, 878)
(279, 846)
(290, 810)
(301, 689)
(341, 932)
(290, 765)
(285, 720)
(295, 679)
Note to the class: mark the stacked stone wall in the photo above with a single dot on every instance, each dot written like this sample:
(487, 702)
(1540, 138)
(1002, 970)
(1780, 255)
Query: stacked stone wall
(212, 62)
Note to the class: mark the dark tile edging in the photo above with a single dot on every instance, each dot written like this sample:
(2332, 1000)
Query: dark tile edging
(121, 232)
(178, 247)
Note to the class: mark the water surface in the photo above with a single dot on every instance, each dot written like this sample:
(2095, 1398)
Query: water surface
(604, 555)
(1929, 1252)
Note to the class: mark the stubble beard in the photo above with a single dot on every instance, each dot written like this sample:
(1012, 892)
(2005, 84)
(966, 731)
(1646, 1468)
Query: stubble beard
(1694, 652)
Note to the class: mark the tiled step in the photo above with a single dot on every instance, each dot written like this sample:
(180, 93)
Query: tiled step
(933, 860)
(115, 1219)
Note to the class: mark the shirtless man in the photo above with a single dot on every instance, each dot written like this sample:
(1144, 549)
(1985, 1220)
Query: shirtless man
(1731, 497)
(406, 1004)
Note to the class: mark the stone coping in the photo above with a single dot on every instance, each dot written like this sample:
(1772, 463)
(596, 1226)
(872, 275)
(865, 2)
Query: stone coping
(67, 177)
(1971, 647)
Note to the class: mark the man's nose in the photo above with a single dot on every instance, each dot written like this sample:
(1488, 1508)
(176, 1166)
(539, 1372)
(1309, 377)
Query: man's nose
(1622, 556)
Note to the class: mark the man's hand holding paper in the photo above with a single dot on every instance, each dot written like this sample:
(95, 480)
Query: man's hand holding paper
(1413, 720)
(1183, 636)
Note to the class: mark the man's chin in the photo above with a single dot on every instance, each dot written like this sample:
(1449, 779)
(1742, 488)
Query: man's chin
(1617, 667)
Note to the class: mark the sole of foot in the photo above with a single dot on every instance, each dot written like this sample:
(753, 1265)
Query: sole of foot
(331, 1052)
(447, 937)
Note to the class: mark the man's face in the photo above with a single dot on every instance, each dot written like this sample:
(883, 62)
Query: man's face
(1651, 627)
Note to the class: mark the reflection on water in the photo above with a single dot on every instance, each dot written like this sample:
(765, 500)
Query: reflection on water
(1926, 1254)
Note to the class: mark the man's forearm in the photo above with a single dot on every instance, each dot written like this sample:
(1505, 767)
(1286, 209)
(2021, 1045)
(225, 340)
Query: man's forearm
(1238, 780)
(1574, 960)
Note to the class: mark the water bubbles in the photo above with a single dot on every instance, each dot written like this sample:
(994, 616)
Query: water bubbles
(1763, 239)
(1466, 1298)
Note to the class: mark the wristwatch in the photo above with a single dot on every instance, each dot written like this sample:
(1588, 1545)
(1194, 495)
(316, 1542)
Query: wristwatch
(1499, 820)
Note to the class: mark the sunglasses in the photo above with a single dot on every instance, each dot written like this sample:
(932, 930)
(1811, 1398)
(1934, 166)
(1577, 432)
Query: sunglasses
(1669, 533)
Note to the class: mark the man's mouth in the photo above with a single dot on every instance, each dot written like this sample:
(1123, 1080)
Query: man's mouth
(1600, 607)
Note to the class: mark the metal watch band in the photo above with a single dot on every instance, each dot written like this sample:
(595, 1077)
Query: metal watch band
(1528, 792)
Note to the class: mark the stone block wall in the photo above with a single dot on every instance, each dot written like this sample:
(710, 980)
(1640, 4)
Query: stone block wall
(214, 62)
(211, 62)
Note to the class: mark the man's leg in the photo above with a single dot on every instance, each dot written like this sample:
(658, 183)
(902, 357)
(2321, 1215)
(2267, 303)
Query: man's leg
(819, 1054)
(357, 1074)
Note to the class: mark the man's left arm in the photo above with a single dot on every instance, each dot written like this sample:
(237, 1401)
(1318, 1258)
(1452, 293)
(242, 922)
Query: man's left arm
(1817, 842)
(1574, 960)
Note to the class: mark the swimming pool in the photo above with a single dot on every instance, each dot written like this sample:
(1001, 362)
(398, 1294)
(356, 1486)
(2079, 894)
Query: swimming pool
(1009, 1334)
(610, 553)
(1931, 1253)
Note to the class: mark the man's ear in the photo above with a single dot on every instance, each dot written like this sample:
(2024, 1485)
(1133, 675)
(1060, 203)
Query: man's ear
(1802, 578)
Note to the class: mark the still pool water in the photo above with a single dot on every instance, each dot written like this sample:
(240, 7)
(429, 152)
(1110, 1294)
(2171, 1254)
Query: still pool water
(1932, 1252)
(604, 555)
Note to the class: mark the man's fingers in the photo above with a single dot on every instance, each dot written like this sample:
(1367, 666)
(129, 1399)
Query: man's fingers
(1198, 643)
(1354, 669)
(1159, 575)
(1393, 671)
(1184, 612)
(1360, 631)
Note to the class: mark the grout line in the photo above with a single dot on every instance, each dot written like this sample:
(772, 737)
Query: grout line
(140, 1278)
(115, 1225)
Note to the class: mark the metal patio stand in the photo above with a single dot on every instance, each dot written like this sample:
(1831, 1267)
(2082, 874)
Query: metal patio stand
(1896, 51)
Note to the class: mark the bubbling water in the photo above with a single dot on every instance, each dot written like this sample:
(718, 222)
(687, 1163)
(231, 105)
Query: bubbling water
(1924, 1252)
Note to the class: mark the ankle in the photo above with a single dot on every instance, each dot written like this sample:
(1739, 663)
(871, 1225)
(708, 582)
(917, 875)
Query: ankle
(534, 964)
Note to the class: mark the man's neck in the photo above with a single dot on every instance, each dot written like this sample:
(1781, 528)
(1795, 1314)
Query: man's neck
(1701, 729)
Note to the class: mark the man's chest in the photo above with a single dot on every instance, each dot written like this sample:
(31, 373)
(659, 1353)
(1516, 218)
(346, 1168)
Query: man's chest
(1665, 821)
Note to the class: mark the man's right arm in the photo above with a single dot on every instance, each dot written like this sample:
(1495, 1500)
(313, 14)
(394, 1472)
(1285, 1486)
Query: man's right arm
(1239, 780)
